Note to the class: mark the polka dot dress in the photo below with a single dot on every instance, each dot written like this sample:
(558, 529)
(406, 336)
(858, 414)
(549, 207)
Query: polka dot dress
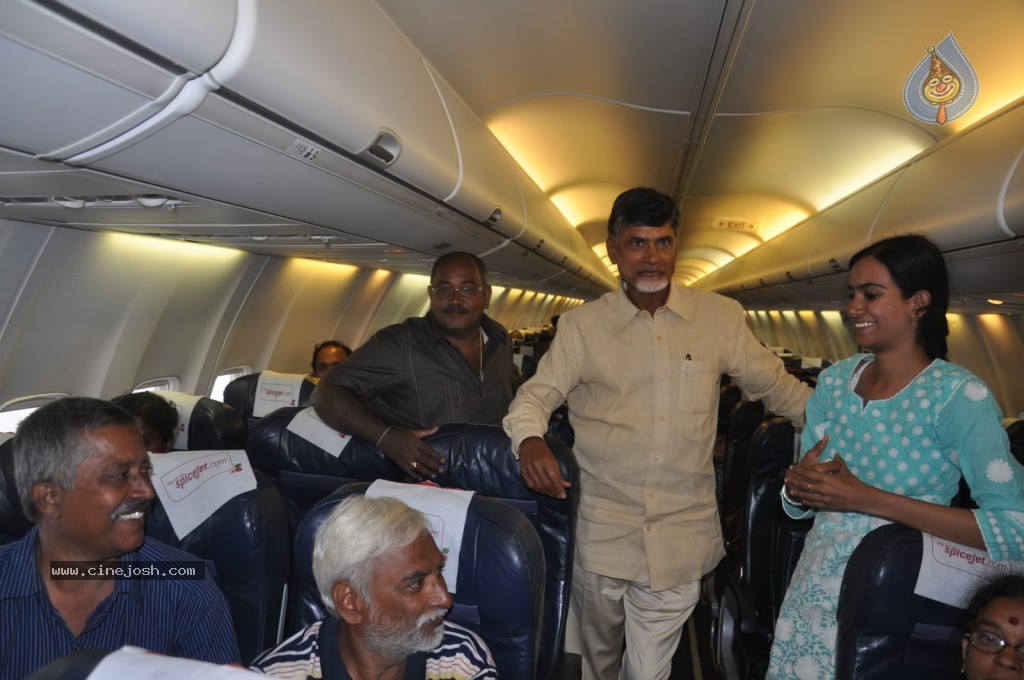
(916, 443)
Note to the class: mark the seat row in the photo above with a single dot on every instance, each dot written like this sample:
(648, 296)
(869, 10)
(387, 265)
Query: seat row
(518, 544)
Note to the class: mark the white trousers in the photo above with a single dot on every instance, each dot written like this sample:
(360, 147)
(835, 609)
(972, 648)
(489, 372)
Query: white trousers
(603, 611)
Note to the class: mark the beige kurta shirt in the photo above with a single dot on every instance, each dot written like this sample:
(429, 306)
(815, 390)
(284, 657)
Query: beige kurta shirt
(643, 402)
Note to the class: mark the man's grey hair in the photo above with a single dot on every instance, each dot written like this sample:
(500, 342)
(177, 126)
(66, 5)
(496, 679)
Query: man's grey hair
(355, 536)
(50, 443)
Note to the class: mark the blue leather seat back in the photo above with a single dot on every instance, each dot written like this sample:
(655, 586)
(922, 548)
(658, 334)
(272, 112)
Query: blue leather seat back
(215, 425)
(743, 421)
(771, 453)
(500, 592)
(240, 394)
(885, 630)
(1015, 432)
(479, 458)
(13, 522)
(304, 472)
(248, 541)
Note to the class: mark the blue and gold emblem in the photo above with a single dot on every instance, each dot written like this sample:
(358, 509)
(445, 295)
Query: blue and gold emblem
(943, 86)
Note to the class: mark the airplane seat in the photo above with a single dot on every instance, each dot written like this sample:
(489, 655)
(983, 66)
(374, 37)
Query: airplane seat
(884, 629)
(479, 458)
(248, 541)
(241, 395)
(742, 633)
(303, 470)
(1015, 432)
(500, 589)
(743, 421)
(211, 424)
(13, 522)
(729, 395)
(559, 426)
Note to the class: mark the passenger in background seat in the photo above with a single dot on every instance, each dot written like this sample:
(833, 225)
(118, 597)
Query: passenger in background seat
(83, 478)
(993, 643)
(640, 369)
(156, 417)
(379, 574)
(453, 365)
(888, 436)
(326, 356)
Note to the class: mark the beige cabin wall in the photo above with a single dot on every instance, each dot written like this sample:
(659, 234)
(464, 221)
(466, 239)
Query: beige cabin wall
(989, 345)
(95, 314)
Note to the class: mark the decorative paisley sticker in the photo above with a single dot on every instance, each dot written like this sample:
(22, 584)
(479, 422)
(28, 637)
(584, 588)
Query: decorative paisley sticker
(943, 86)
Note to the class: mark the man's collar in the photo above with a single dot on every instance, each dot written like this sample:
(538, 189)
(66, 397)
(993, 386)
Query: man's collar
(333, 668)
(22, 576)
(492, 329)
(623, 310)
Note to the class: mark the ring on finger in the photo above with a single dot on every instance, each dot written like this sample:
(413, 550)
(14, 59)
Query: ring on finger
(415, 465)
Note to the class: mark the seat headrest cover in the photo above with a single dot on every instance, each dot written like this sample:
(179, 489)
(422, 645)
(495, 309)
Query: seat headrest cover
(445, 510)
(308, 425)
(183, 403)
(276, 390)
(134, 662)
(192, 485)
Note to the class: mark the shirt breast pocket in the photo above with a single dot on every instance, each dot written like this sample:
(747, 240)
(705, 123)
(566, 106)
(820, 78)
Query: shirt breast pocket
(698, 386)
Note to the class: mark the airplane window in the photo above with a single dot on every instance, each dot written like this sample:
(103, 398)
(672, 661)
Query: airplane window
(16, 410)
(169, 384)
(222, 380)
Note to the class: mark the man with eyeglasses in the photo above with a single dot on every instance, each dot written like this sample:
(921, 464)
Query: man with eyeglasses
(453, 365)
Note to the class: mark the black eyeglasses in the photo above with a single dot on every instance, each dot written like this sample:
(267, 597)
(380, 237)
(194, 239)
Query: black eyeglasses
(990, 643)
(447, 291)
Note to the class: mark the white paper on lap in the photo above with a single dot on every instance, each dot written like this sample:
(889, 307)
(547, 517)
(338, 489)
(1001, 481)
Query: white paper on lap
(445, 510)
(192, 485)
(135, 662)
(307, 424)
(951, 572)
(276, 390)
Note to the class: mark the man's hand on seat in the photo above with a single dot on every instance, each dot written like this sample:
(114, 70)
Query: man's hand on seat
(407, 448)
(539, 469)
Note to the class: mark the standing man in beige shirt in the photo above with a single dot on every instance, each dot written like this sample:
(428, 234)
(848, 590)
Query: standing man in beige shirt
(640, 370)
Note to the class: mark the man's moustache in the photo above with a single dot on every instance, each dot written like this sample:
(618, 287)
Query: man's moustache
(130, 507)
(455, 309)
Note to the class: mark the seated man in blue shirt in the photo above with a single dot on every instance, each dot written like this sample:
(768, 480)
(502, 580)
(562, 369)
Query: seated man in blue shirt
(83, 478)
(379, 574)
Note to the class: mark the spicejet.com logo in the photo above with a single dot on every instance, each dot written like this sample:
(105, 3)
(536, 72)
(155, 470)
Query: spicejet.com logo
(275, 392)
(188, 477)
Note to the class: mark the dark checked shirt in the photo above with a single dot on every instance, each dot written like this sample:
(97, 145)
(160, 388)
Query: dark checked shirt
(411, 376)
(185, 618)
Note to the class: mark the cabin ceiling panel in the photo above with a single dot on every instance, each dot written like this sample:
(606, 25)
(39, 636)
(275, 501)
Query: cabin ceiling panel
(771, 110)
(796, 55)
(495, 53)
(799, 157)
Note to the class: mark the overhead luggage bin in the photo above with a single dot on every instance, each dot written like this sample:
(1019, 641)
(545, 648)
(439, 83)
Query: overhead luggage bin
(71, 84)
(965, 207)
(487, 187)
(340, 70)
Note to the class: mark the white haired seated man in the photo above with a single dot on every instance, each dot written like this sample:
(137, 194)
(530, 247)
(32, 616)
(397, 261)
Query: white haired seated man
(379, 574)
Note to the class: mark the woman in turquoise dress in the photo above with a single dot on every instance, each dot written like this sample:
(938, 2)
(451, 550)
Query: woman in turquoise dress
(888, 436)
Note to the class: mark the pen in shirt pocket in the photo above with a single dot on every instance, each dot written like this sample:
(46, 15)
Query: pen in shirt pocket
(687, 364)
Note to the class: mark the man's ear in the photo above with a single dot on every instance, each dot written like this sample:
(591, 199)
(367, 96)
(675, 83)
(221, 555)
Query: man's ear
(48, 499)
(350, 604)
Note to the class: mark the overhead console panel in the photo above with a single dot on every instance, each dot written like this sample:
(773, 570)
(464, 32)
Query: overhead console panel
(70, 84)
(343, 72)
(325, 114)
